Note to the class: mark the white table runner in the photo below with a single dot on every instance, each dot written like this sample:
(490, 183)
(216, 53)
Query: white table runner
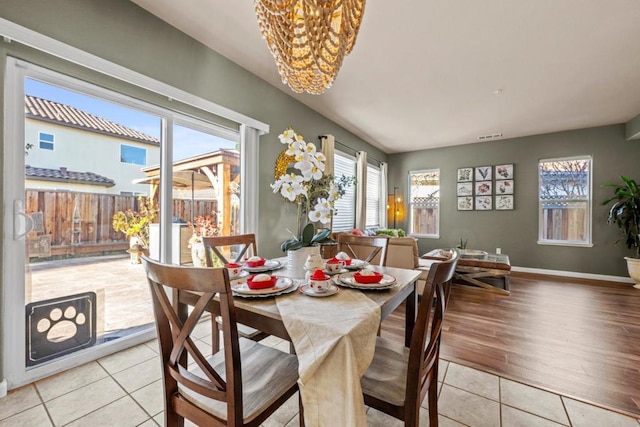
(334, 338)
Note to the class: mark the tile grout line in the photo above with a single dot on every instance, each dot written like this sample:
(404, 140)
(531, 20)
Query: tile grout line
(46, 410)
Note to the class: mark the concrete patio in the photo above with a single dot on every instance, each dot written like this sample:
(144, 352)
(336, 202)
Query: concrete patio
(123, 298)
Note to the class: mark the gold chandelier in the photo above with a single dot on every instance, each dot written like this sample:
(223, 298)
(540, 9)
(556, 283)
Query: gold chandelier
(309, 38)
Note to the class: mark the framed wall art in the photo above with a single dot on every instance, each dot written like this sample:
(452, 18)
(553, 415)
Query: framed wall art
(483, 173)
(465, 203)
(504, 186)
(504, 203)
(504, 172)
(465, 189)
(465, 174)
(483, 203)
(483, 188)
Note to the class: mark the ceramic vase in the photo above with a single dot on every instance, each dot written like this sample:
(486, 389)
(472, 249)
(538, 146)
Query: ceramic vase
(297, 258)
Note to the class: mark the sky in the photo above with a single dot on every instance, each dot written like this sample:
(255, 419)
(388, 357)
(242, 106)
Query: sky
(188, 142)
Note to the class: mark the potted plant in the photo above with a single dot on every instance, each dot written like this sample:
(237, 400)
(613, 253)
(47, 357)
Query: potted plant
(135, 225)
(625, 213)
(300, 179)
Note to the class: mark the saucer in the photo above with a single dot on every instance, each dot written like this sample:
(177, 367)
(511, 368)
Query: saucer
(306, 289)
(344, 270)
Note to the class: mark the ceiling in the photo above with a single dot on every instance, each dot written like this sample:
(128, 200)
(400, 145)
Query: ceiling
(436, 73)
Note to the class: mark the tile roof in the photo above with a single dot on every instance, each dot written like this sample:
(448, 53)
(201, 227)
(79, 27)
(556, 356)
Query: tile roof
(55, 112)
(64, 175)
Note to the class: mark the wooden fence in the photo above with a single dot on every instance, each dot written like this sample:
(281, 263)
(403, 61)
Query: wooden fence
(564, 223)
(76, 223)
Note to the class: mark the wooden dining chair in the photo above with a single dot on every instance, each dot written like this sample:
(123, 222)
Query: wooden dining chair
(399, 378)
(241, 385)
(222, 247)
(364, 247)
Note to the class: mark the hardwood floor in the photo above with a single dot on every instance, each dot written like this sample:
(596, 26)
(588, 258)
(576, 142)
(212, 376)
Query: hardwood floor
(570, 336)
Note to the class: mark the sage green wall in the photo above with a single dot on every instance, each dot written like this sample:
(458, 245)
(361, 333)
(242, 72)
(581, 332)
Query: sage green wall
(121, 32)
(516, 232)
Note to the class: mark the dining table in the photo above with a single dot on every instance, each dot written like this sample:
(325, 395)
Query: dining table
(333, 336)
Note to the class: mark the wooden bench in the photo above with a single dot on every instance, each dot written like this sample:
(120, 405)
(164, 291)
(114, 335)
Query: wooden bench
(490, 271)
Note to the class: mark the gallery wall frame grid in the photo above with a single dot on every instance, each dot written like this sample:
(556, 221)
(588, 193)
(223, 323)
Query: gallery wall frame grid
(485, 188)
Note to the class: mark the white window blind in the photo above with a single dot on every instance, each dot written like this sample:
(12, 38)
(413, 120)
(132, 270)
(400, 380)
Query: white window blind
(345, 218)
(373, 196)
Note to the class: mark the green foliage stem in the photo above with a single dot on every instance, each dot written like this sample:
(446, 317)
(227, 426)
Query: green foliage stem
(625, 211)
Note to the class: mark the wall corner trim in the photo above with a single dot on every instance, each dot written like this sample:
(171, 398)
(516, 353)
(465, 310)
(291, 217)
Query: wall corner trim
(632, 128)
(3, 388)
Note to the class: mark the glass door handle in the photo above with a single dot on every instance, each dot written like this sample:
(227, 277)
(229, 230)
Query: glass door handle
(26, 224)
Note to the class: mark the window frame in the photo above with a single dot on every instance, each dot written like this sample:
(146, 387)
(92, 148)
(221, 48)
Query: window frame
(409, 204)
(122, 146)
(589, 208)
(41, 141)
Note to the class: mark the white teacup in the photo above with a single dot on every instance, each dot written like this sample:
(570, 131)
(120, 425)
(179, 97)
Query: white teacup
(233, 269)
(319, 286)
(319, 282)
(333, 266)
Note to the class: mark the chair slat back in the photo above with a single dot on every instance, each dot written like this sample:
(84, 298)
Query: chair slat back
(175, 329)
(224, 246)
(364, 247)
(425, 341)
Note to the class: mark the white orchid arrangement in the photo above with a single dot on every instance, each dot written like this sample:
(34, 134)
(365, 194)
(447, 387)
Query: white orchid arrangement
(307, 180)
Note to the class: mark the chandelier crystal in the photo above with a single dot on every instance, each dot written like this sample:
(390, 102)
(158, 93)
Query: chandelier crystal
(309, 38)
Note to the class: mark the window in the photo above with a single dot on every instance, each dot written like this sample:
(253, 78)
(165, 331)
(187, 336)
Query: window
(45, 141)
(133, 155)
(345, 218)
(373, 197)
(565, 201)
(424, 203)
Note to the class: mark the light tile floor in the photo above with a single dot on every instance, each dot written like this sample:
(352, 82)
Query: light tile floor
(125, 389)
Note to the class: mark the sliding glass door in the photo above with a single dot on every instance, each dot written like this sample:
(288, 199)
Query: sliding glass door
(85, 190)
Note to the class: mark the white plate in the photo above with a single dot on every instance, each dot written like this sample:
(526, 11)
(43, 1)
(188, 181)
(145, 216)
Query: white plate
(270, 264)
(241, 275)
(282, 284)
(356, 264)
(306, 289)
(347, 279)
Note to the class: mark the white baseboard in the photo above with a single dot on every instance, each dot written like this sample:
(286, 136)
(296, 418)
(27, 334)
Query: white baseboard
(573, 274)
(3, 388)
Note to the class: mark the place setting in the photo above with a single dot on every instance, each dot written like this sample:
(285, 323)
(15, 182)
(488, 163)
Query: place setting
(366, 279)
(256, 264)
(262, 285)
(347, 263)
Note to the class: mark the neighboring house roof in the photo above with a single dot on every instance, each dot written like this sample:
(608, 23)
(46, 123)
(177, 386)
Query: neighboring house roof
(65, 115)
(64, 175)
